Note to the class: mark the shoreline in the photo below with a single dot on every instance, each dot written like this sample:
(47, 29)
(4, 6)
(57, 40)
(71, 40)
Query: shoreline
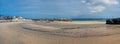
(81, 22)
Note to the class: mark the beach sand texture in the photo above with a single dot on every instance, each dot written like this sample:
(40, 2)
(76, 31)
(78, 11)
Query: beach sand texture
(59, 33)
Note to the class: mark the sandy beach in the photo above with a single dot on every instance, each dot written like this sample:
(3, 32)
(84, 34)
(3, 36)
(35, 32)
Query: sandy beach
(59, 33)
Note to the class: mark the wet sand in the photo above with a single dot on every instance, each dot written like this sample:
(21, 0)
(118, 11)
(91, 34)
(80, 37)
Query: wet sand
(51, 33)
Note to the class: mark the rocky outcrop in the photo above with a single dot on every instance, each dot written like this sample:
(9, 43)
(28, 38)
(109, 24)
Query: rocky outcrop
(113, 21)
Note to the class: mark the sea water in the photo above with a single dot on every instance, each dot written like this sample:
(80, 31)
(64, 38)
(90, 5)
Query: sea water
(88, 20)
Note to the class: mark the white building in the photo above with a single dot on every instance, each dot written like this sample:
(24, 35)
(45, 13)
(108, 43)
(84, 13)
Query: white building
(19, 19)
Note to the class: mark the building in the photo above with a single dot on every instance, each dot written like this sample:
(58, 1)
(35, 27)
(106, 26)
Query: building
(18, 19)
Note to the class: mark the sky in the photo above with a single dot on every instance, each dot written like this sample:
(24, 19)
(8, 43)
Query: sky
(61, 8)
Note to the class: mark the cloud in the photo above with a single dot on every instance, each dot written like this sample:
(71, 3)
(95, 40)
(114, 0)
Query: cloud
(109, 2)
(99, 5)
(97, 9)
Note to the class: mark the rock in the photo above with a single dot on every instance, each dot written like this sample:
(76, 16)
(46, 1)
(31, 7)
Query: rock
(113, 21)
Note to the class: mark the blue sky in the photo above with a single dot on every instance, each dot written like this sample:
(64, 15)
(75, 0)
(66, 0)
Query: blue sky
(61, 8)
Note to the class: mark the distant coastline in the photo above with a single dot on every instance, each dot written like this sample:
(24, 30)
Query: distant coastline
(2, 17)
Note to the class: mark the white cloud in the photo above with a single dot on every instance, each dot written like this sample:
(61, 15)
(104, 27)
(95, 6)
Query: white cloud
(97, 9)
(110, 2)
(99, 5)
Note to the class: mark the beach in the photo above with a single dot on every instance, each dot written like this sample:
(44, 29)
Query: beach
(59, 33)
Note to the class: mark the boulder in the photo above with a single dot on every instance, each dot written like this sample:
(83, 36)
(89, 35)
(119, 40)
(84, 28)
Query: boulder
(113, 21)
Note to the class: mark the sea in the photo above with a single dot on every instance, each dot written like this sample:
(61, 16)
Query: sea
(88, 20)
